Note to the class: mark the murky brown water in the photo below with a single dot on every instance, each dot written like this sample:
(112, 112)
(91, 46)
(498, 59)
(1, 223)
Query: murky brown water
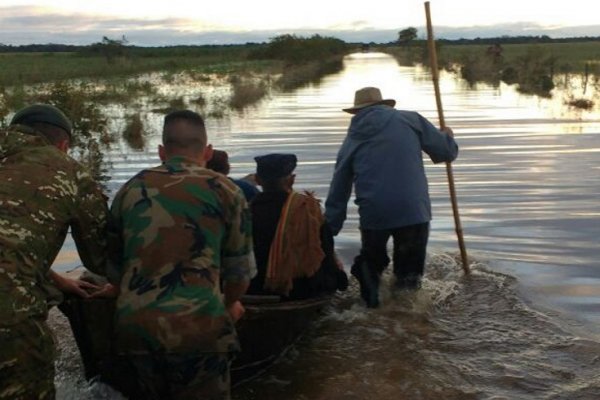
(525, 326)
(459, 338)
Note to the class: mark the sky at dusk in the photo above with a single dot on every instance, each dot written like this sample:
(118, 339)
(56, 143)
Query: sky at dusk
(236, 21)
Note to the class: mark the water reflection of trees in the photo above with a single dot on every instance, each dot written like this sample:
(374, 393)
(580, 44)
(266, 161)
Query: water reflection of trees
(535, 70)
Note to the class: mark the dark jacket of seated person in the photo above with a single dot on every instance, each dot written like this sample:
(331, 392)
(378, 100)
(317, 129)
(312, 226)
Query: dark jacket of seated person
(293, 244)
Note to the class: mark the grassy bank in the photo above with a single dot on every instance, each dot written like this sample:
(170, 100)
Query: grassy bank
(532, 67)
(570, 57)
(86, 82)
(31, 68)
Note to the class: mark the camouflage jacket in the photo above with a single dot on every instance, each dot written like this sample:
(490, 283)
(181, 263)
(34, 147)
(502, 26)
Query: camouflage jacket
(179, 231)
(43, 192)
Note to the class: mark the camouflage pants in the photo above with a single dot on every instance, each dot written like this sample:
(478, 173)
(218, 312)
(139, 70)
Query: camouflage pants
(174, 376)
(27, 355)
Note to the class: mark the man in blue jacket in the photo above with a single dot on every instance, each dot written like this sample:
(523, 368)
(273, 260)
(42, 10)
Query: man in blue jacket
(382, 156)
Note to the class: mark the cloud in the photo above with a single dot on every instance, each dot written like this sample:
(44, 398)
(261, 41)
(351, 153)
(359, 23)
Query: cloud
(31, 20)
(352, 25)
(516, 29)
(26, 25)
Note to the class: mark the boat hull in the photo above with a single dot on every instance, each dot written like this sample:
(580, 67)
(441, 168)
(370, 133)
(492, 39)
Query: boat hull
(267, 330)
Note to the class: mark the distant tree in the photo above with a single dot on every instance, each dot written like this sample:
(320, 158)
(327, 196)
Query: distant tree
(296, 49)
(111, 48)
(407, 35)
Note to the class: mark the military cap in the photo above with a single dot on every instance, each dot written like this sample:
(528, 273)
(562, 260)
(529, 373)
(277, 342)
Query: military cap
(275, 165)
(42, 113)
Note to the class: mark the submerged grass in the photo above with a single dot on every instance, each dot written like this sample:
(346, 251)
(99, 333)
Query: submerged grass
(134, 132)
(583, 104)
(532, 67)
(173, 104)
(247, 91)
(30, 68)
(309, 72)
(571, 57)
(81, 83)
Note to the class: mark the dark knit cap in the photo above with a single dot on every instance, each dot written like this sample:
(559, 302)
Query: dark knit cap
(44, 113)
(275, 166)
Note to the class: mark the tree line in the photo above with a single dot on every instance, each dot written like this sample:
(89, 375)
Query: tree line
(405, 36)
(409, 35)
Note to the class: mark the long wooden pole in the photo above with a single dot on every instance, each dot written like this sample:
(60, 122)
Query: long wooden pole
(438, 99)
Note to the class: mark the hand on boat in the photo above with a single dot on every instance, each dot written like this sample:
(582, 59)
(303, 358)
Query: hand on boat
(236, 310)
(107, 291)
(74, 286)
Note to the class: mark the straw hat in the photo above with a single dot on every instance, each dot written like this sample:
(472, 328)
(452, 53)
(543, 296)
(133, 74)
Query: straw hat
(368, 96)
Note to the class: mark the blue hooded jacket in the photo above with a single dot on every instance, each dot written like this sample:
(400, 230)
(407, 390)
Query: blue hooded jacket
(382, 156)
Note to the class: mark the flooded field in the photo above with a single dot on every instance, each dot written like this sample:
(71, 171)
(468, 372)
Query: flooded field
(525, 325)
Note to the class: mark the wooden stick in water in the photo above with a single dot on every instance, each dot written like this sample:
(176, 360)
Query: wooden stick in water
(438, 99)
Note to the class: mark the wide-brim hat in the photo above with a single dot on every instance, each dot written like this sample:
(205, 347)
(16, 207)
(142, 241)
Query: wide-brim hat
(368, 96)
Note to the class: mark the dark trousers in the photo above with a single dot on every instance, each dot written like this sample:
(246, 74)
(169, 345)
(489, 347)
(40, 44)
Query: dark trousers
(410, 249)
(159, 376)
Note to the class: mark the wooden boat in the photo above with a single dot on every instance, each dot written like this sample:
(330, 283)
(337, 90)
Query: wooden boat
(267, 330)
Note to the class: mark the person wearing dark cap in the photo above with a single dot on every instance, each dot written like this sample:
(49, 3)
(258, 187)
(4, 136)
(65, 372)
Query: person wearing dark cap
(220, 163)
(293, 244)
(43, 193)
(382, 157)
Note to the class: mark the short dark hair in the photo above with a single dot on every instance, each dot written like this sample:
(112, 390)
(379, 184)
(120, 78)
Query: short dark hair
(219, 162)
(175, 136)
(53, 133)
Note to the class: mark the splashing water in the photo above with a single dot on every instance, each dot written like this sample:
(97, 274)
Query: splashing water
(460, 337)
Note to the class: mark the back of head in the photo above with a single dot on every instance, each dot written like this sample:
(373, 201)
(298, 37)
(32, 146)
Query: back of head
(219, 162)
(46, 119)
(184, 133)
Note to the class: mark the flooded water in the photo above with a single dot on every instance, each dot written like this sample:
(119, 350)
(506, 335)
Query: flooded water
(524, 325)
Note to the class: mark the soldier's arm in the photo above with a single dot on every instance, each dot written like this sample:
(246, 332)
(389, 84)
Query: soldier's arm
(115, 250)
(238, 263)
(89, 223)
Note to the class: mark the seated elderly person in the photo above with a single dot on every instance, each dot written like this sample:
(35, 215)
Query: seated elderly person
(293, 244)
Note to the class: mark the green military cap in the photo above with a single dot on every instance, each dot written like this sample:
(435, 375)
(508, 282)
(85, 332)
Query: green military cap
(42, 113)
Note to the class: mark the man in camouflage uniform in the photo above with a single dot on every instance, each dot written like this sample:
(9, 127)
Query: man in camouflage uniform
(182, 232)
(43, 192)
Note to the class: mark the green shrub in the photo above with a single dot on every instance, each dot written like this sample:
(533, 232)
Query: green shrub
(294, 49)
(246, 92)
(134, 132)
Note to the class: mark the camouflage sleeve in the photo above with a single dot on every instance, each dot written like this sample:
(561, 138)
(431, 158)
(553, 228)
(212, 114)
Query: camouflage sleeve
(115, 243)
(88, 226)
(237, 256)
